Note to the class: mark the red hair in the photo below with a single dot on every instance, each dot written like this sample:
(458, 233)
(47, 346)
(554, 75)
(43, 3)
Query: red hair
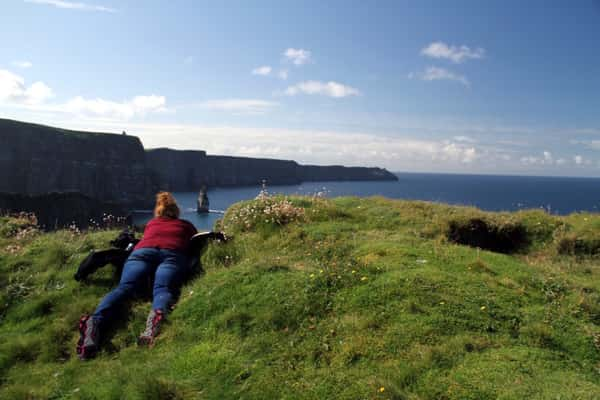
(166, 206)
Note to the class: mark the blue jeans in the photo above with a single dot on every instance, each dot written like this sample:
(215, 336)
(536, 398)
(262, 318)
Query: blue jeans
(168, 267)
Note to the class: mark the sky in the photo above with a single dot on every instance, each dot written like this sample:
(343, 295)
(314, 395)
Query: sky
(494, 87)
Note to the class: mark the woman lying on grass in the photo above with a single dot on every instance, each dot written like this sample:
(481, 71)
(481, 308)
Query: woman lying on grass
(162, 252)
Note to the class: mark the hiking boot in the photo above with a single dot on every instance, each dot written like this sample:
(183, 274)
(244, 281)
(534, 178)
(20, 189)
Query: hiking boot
(87, 346)
(152, 328)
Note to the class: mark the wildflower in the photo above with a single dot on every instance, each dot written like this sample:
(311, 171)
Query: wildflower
(312, 275)
(353, 271)
(320, 271)
(442, 303)
(381, 389)
(482, 308)
(364, 278)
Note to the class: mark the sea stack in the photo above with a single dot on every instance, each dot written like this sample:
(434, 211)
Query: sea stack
(202, 202)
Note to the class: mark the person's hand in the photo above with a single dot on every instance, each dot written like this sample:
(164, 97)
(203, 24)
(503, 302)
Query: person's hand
(220, 236)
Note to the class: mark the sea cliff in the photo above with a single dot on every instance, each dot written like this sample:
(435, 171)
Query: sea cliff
(37, 159)
(179, 170)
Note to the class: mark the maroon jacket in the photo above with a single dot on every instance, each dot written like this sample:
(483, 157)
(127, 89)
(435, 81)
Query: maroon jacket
(167, 233)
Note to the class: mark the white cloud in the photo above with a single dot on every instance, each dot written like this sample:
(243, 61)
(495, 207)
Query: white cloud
(240, 106)
(72, 5)
(297, 56)
(545, 159)
(529, 160)
(14, 90)
(22, 64)
(138, 106)
(264, 70)
(458, 153)
(456, 54)
(331, 89)
(283, 74)
(436, 74)
(463, 138)
(580, 160)
(38, 93)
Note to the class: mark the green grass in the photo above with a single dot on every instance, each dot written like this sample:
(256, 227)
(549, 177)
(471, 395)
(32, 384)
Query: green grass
(349, 299)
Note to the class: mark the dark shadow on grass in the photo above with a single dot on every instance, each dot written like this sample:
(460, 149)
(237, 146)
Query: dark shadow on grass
(498, 237)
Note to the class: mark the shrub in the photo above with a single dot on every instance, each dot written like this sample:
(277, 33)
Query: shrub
(573, 244)
(263, 211)
(19, 226)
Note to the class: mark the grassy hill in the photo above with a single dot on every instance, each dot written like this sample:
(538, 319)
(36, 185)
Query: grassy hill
(324, 299)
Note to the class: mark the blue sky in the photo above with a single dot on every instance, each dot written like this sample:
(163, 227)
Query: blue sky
(466, 86)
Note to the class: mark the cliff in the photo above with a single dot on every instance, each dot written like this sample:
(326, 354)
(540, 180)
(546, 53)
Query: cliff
(37, 159)
(179, 170)
(340, 173)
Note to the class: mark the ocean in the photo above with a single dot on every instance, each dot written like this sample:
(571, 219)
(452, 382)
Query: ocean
(556, 195)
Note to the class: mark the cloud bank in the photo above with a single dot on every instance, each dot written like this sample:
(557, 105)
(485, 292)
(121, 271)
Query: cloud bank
(14, 90)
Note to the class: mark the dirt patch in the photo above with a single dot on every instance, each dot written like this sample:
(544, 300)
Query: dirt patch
(500, 237)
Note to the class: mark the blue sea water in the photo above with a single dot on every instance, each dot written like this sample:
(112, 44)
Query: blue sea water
(556, 195)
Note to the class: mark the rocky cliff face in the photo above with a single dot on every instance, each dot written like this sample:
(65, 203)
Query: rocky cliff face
(178, 170)
(36, 159)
